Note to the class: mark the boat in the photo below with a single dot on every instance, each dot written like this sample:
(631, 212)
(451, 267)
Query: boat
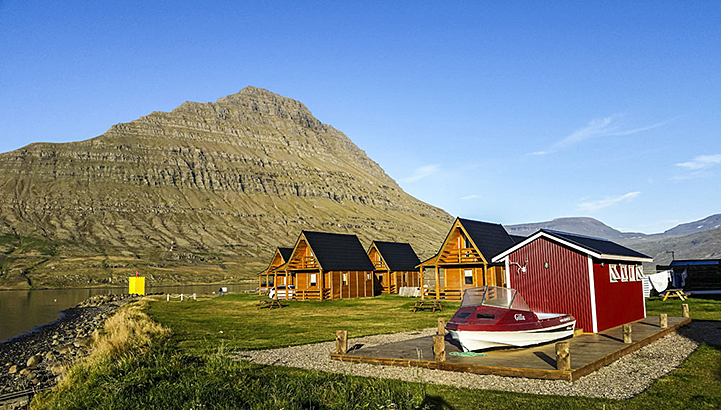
(492, 316)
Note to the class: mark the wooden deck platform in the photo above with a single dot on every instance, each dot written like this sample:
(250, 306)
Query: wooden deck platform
(589, 352)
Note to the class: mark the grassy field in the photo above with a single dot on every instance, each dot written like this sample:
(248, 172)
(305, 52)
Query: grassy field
(234, 322)
(190, 370)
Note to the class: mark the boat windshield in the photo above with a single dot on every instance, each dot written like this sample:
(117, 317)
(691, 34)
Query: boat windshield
(495, 296)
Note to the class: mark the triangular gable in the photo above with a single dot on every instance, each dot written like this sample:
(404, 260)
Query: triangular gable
(283, 254)
(565, 239)
(334, 251)
(397, 256)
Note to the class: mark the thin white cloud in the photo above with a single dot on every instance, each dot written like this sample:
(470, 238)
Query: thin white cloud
(607, 201)
(540, 153)
(599, 127)
(422, 172)
(701, 162)
(469, 197)
(603, 127)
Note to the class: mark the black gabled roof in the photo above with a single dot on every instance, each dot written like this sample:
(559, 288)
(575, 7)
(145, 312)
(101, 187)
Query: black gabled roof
(598, 245)
(517, 238)
(336, 251)
(491, 239)
(285, 253)
(398, 256)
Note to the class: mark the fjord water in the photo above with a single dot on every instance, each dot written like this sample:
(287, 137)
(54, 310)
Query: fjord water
(22, 310)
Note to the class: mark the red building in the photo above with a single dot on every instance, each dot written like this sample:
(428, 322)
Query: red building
(598, 281)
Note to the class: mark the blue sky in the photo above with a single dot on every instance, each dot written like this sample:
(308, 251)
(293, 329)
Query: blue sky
(507, 112)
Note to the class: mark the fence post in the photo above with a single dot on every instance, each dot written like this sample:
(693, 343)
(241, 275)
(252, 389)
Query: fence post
(167, 297)
(663, 320)
(627, 333)
(686, 312)
(563, 356)
(439, 348)
(181, 297)
(341, 342)
(194, 297)
(441, 326)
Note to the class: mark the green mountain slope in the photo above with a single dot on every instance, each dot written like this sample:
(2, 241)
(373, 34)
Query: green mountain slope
(202, 193)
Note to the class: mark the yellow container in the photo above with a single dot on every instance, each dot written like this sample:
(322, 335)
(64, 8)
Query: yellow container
(136, 285)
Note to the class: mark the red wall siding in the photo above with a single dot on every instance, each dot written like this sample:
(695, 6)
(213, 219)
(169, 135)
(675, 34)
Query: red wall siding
(616, 303)
(562, 288)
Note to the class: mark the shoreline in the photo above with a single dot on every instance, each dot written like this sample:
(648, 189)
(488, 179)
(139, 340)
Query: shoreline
(125, 286)
(38, 359)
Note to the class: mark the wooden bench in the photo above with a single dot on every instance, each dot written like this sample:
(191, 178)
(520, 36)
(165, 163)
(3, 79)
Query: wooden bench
(427, 304)
(674, 293)
(269, 303)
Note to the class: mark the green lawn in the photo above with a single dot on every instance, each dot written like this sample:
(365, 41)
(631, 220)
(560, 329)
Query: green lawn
(234, 321)
(703, 307)
(189, 370)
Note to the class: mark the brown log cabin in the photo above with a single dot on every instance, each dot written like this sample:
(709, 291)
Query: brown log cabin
(328, 266)
(396, 266)
(464, 260)
(272, 274)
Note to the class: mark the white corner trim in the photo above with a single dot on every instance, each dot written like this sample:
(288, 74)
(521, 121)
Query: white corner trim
(508, 273)
(592, 286)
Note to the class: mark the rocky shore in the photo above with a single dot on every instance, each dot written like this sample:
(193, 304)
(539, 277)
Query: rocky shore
(39, 359)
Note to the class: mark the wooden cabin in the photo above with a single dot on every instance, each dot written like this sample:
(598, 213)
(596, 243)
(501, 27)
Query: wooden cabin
(272, 275)
(598, 281)
(464, 260)
(329, 266)
(396, 266)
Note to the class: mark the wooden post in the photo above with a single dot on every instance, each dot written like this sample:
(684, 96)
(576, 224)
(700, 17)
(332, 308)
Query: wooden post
(341, 342)
(686, 312)
(627, 333)
(439, 348)
(275, 285)
(663, 320)
(563, 356)
(438, 282)
(420, 281)
(441, 326)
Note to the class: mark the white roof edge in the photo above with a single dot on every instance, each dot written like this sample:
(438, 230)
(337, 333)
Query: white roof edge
(550, 236)
(626, 258)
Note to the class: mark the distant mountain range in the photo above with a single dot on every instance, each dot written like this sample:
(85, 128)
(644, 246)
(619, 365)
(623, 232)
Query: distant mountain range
(698, 239)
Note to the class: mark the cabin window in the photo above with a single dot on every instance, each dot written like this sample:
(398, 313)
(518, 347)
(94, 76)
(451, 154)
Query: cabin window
(380, 278)
(345, 279)
(466, 243)
(468, 273)
(313, 279)
(485, 316)
(464, 315)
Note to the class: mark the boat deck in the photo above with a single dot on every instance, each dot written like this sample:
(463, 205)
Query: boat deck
(589, 352)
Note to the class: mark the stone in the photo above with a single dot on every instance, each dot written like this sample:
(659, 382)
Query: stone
(13, 369)
(24, 372)
(34, 360)
(49, 356)
(82, 341)
(57, 369)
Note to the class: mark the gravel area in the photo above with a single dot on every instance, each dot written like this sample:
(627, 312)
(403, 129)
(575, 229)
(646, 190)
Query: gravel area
(622, 379)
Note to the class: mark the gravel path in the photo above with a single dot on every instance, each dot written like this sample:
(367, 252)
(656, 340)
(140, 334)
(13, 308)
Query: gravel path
(622, 379)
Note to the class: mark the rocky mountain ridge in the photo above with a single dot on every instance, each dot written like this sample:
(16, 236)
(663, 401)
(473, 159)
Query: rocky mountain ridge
(218, 184)
(699, 239)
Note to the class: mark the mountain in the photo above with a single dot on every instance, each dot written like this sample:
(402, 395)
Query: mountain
(202, 193)
(693, 240)
(580, 225)
(699, 245)
(706, 224)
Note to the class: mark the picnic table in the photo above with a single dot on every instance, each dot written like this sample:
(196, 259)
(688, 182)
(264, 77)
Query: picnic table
(427, 304)
(269, 303)
(674, 293)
